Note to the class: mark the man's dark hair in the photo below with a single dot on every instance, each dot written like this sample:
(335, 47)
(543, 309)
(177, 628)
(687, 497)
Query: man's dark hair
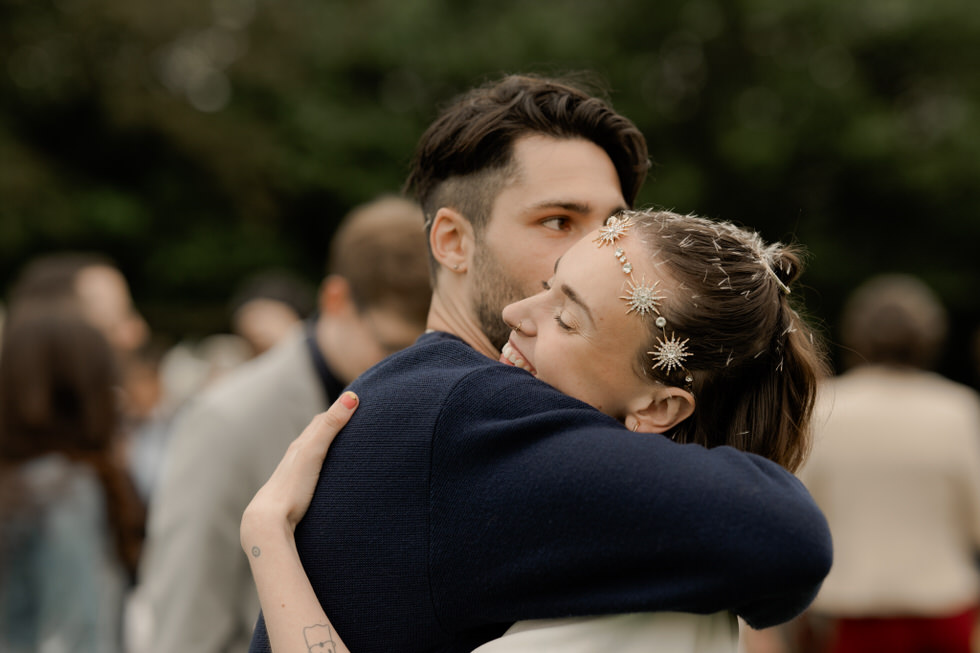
(471, 144)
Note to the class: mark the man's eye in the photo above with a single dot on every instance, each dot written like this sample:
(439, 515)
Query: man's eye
(557, 223)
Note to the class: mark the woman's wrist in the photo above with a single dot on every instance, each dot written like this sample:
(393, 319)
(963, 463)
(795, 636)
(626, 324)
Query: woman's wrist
(264, 530)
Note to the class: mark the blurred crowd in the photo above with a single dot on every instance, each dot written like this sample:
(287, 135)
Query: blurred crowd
(121, 486)
(118, 497)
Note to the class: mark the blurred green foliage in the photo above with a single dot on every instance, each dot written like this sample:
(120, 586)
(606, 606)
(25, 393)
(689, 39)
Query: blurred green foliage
(197, 142)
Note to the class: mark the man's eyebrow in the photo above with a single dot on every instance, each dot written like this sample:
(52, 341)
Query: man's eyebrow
(566, 205)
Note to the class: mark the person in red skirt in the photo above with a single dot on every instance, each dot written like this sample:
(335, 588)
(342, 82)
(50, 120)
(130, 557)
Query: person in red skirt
(896, 470)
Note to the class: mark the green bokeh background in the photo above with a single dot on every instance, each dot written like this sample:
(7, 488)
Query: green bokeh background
(195, 142)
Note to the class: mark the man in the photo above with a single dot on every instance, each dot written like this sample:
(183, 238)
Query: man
(465, 495)
(196, 593)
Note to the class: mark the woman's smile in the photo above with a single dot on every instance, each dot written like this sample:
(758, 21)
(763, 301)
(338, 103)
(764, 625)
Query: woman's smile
(511, 355)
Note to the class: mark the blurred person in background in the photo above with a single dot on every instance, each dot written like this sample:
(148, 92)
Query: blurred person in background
(159, 383)
(267, 305)
(96, 284)
(896, 469)
(70, 520)
(98, 290)
(196, 592)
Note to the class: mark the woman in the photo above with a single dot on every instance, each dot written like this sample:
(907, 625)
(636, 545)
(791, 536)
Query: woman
(672, 324)
(71, 521)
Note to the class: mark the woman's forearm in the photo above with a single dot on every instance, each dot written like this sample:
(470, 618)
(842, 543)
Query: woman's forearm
(294, 618)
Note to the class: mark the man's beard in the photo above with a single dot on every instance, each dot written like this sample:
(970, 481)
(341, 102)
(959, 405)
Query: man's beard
(494, 290)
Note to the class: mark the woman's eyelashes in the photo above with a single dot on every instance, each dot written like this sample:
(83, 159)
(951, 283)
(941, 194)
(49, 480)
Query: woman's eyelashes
(562, 324)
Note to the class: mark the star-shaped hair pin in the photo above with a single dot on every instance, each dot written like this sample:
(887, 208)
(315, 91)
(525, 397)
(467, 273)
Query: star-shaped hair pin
(614, 229)
(643, 298)
(670, 353)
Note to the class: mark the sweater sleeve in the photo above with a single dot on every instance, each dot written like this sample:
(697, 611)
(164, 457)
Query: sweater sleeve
(541, 514)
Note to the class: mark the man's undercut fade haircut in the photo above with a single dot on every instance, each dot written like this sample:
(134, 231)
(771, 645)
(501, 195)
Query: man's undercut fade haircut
(466, 156)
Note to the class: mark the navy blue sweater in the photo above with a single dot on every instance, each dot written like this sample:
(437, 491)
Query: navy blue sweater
(465, 495)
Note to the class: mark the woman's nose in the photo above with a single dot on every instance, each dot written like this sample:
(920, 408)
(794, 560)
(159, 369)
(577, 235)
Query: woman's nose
(526, 316)
(517, 316)
(510, 313)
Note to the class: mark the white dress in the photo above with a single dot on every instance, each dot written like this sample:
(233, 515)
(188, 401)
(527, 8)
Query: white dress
(659, 632)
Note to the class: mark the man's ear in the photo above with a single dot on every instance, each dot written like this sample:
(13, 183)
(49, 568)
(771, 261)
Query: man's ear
(451, 239)
(660, 410)
(335, 296)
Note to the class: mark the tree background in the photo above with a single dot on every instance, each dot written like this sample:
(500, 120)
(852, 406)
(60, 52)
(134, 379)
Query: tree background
(196, 142)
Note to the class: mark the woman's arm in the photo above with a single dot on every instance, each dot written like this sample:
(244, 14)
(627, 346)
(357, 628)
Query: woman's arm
(293, 616)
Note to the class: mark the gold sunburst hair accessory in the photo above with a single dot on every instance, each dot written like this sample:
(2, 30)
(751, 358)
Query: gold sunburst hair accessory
(644, 298)
(670, 353)
(615, 228)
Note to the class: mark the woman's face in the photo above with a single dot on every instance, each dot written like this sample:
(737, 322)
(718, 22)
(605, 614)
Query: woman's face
(576, 335)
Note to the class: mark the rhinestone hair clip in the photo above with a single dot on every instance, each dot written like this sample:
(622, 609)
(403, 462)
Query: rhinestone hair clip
(644, 298)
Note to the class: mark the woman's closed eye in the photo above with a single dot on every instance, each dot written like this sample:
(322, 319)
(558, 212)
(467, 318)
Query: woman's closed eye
(564, 326)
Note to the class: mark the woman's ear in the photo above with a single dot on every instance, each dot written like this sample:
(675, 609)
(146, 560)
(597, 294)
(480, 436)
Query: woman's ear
(660, 410)
(451, 239)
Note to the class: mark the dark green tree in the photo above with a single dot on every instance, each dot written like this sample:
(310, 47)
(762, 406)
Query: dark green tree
(196, 142)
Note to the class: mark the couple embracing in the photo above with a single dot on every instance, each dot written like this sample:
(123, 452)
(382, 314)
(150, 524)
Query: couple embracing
(624, 475)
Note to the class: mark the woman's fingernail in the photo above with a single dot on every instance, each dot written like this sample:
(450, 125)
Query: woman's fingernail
(348, 399)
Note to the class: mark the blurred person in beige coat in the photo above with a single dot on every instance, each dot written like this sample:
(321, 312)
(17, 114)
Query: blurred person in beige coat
(195, 592)
(896, 469)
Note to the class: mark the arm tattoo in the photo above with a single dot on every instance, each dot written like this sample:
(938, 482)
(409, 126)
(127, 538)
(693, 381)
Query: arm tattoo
(256, 552)
(319, 638)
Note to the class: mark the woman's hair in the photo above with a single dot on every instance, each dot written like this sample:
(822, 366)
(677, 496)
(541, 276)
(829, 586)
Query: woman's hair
(749, 359)
(58, 395)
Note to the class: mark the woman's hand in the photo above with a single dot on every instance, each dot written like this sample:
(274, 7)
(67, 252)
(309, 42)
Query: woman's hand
(285, 497)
